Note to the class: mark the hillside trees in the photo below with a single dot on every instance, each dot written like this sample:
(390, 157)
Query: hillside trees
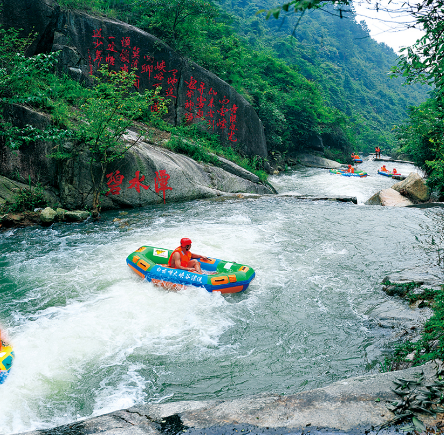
(422, 137)
(350, 68)
(331, 62)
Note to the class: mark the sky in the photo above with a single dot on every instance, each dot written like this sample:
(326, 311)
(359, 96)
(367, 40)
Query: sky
(390, 28)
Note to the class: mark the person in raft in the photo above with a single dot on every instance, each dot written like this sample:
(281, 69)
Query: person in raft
(350, 169)
(182, 258)
(384, 169)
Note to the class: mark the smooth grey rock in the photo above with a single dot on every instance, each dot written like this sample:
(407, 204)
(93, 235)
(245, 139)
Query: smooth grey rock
(352, 199)
(77, 215)
(317, 162)
(47, 215)
(431, 276)
(414, 187)
(374, 200)
(389, 198)
(231, 167)
(356, 405)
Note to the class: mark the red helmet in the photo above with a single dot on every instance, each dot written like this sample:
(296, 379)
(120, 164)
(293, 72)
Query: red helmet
(185, 241)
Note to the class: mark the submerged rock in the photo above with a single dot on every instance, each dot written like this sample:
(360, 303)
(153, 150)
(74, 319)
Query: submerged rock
(77, 215)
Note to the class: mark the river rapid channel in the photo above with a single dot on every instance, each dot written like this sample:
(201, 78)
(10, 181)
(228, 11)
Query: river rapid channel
(91, 337)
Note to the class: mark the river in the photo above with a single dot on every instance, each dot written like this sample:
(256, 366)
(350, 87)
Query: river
(91, 337)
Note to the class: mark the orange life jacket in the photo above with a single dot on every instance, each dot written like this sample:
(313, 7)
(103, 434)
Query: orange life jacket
(184, 258)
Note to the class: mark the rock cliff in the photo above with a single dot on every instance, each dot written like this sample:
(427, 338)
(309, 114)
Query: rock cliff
(88, 42)
(149, 173)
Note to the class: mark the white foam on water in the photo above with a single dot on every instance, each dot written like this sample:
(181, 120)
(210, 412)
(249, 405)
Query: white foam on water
(91, 337)
(57, 348)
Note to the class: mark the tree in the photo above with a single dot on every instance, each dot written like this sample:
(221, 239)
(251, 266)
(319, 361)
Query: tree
(171, 18)
(112, 108)
(424, 61)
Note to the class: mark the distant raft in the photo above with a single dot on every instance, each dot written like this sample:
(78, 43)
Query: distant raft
(358, 160)
(344, 172)
(218, 275)
(388, 174)
(6, 360)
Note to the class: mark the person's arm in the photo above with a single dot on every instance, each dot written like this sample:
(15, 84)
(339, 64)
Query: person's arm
(198, 256)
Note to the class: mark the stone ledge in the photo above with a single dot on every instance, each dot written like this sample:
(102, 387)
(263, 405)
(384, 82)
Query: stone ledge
(354, 405)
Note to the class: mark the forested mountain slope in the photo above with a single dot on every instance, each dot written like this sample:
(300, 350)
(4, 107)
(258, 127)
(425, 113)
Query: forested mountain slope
(337, 53)
(330, 81)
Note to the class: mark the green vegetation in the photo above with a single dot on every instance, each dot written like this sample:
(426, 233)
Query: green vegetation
(110, 109)
(330, 80)
(422, 137)
(26, 199)
(325, 81)
(204, 147)
(430, 345)
(416, 397)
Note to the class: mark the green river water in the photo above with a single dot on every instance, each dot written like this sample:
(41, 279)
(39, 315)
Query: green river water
(91, 337)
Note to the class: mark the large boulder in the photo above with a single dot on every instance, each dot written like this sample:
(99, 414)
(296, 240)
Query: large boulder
(86, 42)
(389, 197)
(31, 161)
(70, 184)
(150, 174)
(31, 17)
(316, 161)
(47, 215)
(414, 187)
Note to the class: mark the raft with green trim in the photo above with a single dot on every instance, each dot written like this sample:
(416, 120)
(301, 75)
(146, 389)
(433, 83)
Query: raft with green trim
(387, 174)
(218, 275)
(6, 359)
(344, 172)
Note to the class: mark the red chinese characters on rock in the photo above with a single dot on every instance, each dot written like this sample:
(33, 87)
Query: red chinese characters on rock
(136, 182)
(115, 180)
(161, 182)
(201, 101)
(203, 104)
(127, 56)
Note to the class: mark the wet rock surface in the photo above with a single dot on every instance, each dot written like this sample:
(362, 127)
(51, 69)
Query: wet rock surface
(354, 405)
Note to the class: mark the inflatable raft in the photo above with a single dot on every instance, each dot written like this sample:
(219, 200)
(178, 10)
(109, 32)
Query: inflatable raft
(6, 359)
(357, 160)
(343, 172)
(387, 174)
(218, 275)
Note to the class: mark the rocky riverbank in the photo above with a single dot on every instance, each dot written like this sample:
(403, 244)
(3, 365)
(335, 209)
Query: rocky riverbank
(355, 406)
